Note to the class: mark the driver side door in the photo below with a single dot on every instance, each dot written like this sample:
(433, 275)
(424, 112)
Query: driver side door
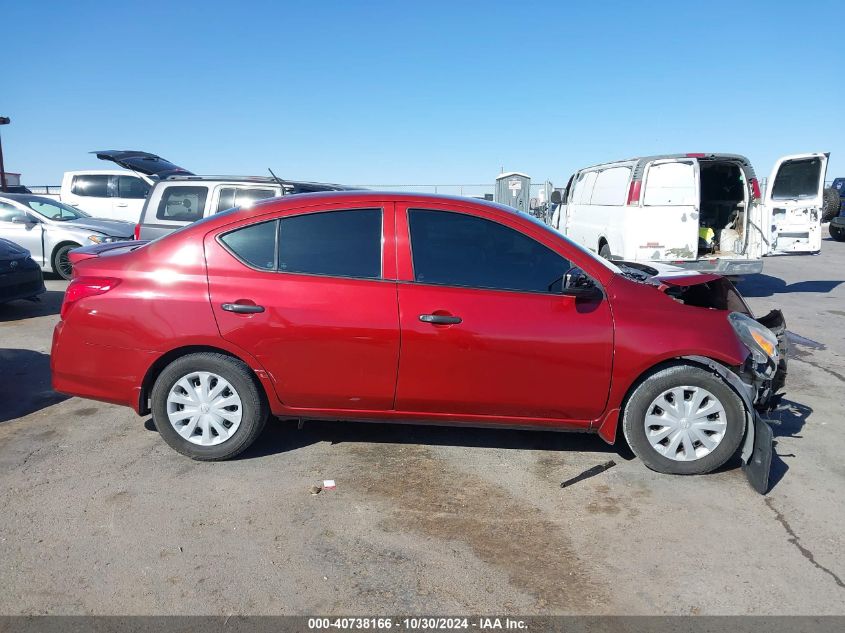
(485, 330)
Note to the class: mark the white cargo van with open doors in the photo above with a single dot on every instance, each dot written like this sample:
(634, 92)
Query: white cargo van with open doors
(698, 211)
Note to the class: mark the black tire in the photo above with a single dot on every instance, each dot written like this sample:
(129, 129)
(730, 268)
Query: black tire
(604, 250)
(633, 421)
(254, 404)
(836, 232)
(832, 204)
(61, 263)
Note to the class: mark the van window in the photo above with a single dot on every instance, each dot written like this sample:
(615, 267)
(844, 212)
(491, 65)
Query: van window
(132, 187)
(234, 197)
(255, 244)
(182, 204)
(454, 249)
(584, 188)
(335, 243)
(670, 184)
(611, 186)
(93, 186)
(797, 179)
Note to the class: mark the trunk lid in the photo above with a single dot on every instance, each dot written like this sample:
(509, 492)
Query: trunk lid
(143, 163)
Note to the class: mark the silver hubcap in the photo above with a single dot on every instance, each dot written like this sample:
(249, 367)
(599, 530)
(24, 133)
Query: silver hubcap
(204, 408)
(685, 423)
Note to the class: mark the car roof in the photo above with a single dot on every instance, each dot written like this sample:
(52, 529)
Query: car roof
(642, 161)
(23, 197)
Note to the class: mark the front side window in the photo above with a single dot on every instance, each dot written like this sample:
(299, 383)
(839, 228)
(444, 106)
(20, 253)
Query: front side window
(455, 249)
(255, 245)
(797, 179)
(234, 197)
(336, 243)
(182, 204)
(91, 185)
(132, 188)
(8, 212)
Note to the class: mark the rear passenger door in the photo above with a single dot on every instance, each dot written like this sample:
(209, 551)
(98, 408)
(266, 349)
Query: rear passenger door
(312, 295)
(793, 203)
(90, 193)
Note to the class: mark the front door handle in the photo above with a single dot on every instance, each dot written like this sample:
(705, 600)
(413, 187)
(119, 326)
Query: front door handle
(440, 319)
(242, 308)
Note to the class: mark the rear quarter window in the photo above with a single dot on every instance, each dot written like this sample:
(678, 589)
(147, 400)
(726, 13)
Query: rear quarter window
(255, 245)
(611, 186)
(182, 204)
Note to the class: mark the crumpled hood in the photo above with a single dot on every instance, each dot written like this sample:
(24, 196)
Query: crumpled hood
(113, 228)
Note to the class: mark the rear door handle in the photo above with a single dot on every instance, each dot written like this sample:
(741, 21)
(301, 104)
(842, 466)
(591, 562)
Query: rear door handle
(440, 319)
(242, 308)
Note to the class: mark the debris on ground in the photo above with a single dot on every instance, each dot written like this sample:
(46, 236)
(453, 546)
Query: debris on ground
(590, 472)
(315, 490)
(329, 484)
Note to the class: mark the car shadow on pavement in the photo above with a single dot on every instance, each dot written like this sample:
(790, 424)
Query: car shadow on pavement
(46, 304)
(766, 286)
(786, 421)
(25, 387)
(282, 435)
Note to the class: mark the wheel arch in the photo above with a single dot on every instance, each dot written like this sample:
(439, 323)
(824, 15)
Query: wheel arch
(610, 428)
(56, 247)
(155, 369)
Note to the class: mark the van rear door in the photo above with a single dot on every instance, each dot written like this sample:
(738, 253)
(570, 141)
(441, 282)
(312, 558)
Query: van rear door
(793, 203)
(667, 228)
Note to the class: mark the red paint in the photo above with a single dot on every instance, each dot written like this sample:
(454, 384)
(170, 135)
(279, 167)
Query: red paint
(329, 347)
(634, 192)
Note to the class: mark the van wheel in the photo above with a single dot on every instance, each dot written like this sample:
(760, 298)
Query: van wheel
(831, 205)
(684, 420)
(604, 250)
(61, 261)
(836, 232)
(208, 406)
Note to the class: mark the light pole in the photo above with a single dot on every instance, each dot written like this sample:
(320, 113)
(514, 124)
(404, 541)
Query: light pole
(4, 120)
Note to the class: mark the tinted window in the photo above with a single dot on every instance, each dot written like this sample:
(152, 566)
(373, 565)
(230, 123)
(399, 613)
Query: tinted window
(797, 179)
(461, 250)
(131, 187)
(338, 243)
(254, 244)
(184, 204)
(95, 186)
(232, 197)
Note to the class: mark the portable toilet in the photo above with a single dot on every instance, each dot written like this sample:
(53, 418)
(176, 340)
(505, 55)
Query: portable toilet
(514, 190)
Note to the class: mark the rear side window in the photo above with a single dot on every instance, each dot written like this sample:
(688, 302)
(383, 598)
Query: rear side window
(234, 197)
(336, 243)
(132, 187)
(584, 188)
(611, 186)
(797, 179)
(455, 249)
(182, 204)
(93, 186)
(670, 184)
(255, 245)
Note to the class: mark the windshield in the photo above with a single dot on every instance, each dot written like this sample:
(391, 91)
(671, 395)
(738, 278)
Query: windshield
(601, 260)
(798, 179)
(54, 210)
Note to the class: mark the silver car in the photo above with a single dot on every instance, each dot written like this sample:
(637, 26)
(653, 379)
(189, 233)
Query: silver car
(50, 230)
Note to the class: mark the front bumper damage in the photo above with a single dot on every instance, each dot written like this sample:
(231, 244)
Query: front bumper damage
(759, 389)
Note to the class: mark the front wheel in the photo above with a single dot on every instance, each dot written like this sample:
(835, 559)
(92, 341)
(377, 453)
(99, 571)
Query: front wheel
(61, 261)
(208, 406)
(684, 420)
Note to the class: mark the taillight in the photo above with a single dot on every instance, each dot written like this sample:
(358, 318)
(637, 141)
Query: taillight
(696, 155)
(755, 189)
(634, 191)
(82, 287)
(137, 233)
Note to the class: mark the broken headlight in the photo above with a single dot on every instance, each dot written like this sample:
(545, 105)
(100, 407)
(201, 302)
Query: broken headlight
(759, 340)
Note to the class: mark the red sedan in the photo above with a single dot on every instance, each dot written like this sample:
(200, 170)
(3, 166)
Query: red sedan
(413, 308)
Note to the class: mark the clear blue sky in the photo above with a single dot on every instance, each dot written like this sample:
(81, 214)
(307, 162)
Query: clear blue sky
(426, 92)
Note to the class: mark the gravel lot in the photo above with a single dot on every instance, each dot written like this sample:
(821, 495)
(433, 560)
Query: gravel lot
(99, 516)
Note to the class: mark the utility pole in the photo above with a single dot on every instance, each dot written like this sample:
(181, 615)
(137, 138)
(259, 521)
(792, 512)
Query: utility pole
(4, 120)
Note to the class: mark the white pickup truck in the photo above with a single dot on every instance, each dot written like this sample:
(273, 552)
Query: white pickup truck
(114, 193)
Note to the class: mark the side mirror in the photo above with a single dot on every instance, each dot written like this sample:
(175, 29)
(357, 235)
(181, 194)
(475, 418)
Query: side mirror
(556, 197)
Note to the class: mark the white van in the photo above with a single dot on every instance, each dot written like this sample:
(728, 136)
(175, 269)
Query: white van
(698, 211)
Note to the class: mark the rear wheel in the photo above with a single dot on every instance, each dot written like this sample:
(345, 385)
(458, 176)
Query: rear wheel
(208, 406)
(684, 420)
(832, 204)
(61, 261)
(836, 232)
